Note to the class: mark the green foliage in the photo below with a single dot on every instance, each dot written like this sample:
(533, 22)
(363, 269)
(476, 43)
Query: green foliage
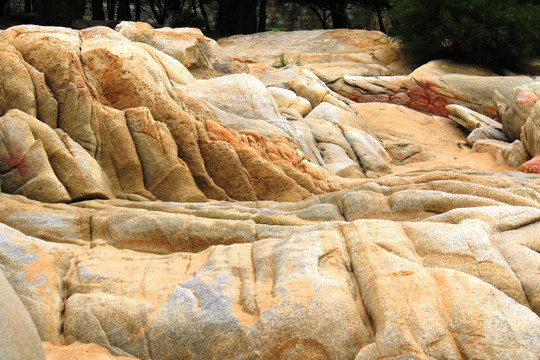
(491, 32)
(282, 61)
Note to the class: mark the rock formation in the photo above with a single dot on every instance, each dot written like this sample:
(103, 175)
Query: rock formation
(164, 196)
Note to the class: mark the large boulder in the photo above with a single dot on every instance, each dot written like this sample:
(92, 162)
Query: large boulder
(202, 56)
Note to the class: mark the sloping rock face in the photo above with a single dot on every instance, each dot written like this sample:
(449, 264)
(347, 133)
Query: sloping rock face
(152, 209)
(117, 121)
(386, 269)
(330, 54)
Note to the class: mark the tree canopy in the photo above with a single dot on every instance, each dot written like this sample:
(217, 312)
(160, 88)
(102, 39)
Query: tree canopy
(492, 32)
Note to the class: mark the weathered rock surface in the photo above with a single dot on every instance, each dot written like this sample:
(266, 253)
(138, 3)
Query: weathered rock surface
(79, 351)
(330, 54)
(202, 56)
(432, 87)
(118, 107)
(520, 114)
(513, 154)
(251, 275)
(421, 263)
(19, 340)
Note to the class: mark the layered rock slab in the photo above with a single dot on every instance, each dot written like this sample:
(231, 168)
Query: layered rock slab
(401, 285)
(432, 87)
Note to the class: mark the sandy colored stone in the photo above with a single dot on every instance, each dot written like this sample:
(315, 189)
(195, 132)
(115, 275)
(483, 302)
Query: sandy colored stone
(339, 162)
(36, 270)
(370, 153)
(513, 154)
(165, 175)
(279, 306)
(14, 321)
(24, 164)
(328, 53)
(470, 119)
(530, 132)
(300, 80)
(439, 137)
(202, 56)
(79, 351)
(386, 257)
(485, 132)
(282, 97)
(515, 107)
(435, 260)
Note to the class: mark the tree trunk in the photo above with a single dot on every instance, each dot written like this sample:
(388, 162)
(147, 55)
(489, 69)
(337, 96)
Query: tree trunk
(237, 17)
(261, 27)
(204, 15)
(124, 12)
(97, 10)
(379, 16)
(340, 19)
(137, 10)
(111, 5)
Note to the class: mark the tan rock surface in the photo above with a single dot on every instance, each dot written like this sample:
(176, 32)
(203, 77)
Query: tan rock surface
(432, 87)
(104, 82)
(277, 257)
(271, 275)
(328, 53)
(202, 56)
(14, 322)
(79, 351)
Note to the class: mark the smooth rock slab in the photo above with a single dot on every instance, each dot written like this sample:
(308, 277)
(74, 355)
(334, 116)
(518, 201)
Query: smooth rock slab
(15, 322)
(36, 270)
(241, 301)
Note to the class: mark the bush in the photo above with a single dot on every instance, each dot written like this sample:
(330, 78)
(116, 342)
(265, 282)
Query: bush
(495, 33)
(187, 18)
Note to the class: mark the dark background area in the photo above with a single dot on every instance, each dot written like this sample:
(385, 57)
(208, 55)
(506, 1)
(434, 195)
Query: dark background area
(218, 17)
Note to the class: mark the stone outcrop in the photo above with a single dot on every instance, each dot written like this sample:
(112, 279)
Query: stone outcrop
(520, 115)
(202, 56)
(254, 277)
(330, 54)
(162, 199)
(432, 87)
(115, 107)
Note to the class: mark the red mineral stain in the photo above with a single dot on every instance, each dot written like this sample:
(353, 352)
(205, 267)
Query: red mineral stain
(14, 161)
(439, 106)
(418, 99)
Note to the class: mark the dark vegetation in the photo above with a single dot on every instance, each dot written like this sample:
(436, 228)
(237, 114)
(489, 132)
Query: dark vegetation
(495, 33)
(491, 32)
